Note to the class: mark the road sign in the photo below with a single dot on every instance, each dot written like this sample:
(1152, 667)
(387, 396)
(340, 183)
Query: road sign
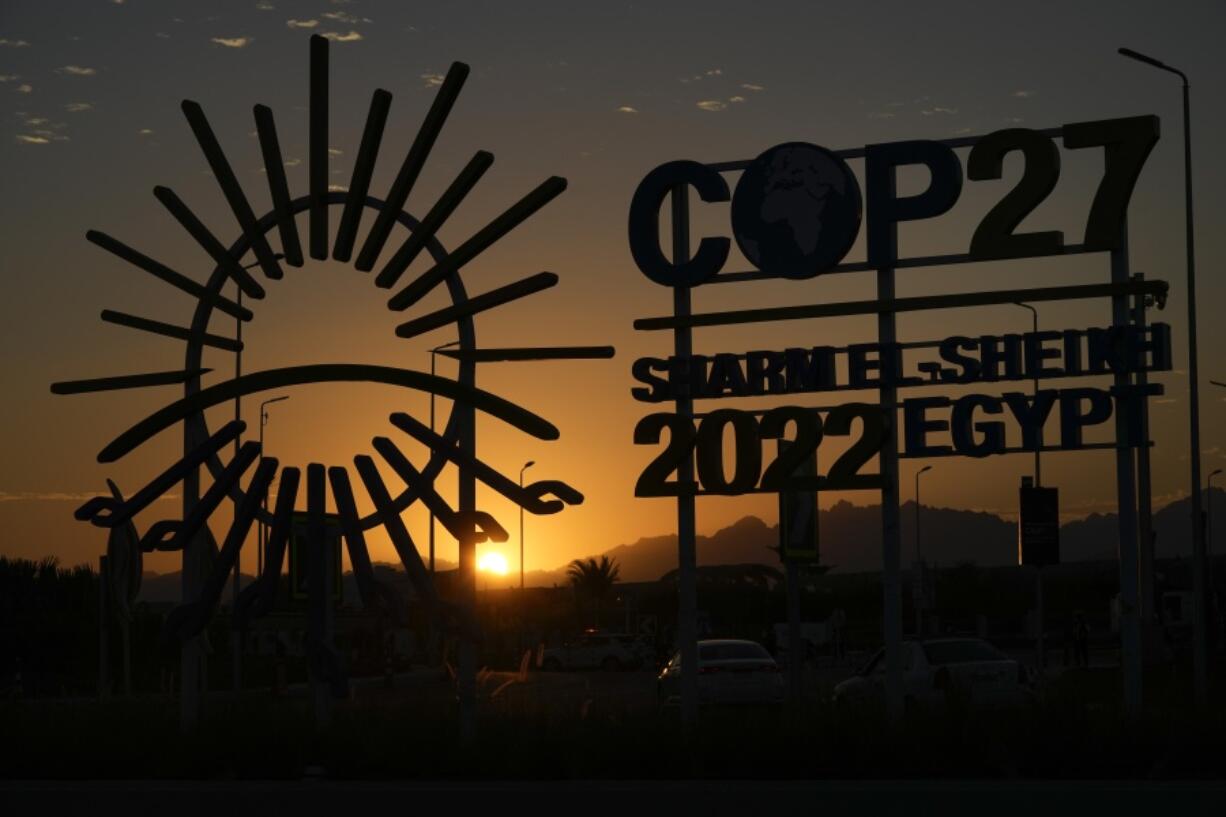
(1038, 527)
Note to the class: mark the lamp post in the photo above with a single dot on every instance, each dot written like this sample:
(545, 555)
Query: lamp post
(919, 557)
(263, 533)
(236, 644)
(1034, 315)
(523, 608)
(1200, 629)
(433, 353)
(527, 465)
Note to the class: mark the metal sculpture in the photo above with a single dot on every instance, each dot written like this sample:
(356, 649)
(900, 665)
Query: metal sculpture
(202, 447)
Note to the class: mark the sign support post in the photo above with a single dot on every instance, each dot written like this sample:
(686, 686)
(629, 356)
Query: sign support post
(1146, 607)
(687, 580)
(891, 543)
(466, 674)
(1125, 465)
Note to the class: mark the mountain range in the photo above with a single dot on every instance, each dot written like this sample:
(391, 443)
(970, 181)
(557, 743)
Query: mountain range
(850, 542)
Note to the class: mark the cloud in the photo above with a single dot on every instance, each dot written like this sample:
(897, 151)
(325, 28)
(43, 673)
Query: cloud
(335, 152)
(714, 72)
(264, 5)
(61, 496)
(8, 77)
(337, 188)
(1024, 94)
(14, 43)
(35, 121)
(145, 132)
(27, 139)
(78, 107)
(433, 80)
(302, 23)
(292, 162)
(712, 105)
(25, 88)
(233, 42)
(627, 109)
(337, 37)
(881, 115)
(343, 17)
(736, 99)
(749, 86)
(938, 110)
(77, 71)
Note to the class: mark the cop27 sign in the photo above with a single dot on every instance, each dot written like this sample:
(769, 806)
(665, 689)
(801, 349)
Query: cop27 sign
(796, 212)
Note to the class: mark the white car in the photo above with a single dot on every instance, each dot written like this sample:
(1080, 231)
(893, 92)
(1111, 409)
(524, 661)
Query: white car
(938, 671)
(729, 671)
(594, 650)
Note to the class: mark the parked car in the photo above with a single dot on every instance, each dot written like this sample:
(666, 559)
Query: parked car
(594, 650)
(729, 671)
(936, 671)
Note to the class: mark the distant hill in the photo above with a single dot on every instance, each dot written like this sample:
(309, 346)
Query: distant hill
(850, 542)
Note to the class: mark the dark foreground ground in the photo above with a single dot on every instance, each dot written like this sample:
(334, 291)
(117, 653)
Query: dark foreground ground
(596, 743)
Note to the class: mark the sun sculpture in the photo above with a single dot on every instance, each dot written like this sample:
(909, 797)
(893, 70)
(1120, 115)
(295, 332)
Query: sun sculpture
(204, 447)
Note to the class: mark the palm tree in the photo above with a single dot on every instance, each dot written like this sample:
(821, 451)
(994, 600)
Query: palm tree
(594, 579)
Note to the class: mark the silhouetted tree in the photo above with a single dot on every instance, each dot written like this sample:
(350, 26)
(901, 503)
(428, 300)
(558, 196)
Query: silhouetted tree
(593, 579)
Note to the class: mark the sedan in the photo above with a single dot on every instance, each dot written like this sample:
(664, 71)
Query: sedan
(729, 672)
(937, 671)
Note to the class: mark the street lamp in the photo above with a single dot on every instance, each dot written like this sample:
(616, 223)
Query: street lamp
(238, 412)
(919, 558)
(263, 537)
(433, 353)
(1034, 314)
(527, 465)
(1200, 628)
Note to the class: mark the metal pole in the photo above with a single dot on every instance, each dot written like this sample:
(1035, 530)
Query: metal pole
(1147, 607)
(1125, 468)
(1200, 663)
(523, 611)
(236, 644)
(1040, 657)
(467, 496)
(434, 352)
(687, 581)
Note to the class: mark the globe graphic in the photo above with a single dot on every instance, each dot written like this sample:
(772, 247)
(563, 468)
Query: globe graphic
(796, 210)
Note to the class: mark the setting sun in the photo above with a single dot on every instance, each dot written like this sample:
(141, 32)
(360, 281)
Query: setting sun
(493, 563)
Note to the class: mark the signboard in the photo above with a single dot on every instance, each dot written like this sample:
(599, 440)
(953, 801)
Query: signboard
(796, 213)
(297, 556)
(1038, 525)
(798, 518)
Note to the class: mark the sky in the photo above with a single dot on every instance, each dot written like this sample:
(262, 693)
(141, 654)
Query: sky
(599, 93)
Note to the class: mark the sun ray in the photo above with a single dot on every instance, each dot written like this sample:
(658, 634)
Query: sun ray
(168, 330)
(223, 392)
(459, 525)
(369, 588)
(439, 213)
(182, 532)
(359, 182)
(262, 593)
(414, 161)
(278, 187)
(526, 497)
(521, 353)
(190, 618)
(230, 187)
(318, 147)
(166, 274)
(126, 381)
(396, 531)
(106, 512)
(478, 304)
(208, 241)
(511, 218)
